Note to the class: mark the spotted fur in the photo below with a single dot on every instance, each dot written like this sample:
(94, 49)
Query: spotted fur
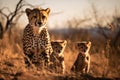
(36, 39)
(82, 63)
(57, 58)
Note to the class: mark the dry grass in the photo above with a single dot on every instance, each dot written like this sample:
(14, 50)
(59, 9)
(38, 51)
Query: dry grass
(12, 62)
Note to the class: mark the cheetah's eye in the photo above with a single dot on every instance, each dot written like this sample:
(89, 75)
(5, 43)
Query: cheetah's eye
(56, 47)
(82, 47)
(43, 17)
(58, 51)
(87, 58)
(35, 16)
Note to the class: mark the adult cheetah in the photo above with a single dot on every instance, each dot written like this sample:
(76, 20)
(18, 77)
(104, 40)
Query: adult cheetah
(36, 39)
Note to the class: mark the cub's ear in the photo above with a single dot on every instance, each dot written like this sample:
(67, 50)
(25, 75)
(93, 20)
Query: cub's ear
(65, 42)
(88, 43)
(28, 11)
(47, 10)
(78, 45)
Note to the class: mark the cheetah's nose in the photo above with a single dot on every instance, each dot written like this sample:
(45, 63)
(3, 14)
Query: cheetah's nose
(40, 23)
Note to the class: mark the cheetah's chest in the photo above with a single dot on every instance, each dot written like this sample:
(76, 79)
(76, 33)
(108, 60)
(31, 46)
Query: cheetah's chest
(41, 39)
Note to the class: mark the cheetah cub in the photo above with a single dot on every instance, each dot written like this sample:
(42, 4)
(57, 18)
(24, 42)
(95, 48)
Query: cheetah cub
(82, 63)
(57, 57)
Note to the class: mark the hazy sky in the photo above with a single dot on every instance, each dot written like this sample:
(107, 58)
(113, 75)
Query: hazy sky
(68, 8)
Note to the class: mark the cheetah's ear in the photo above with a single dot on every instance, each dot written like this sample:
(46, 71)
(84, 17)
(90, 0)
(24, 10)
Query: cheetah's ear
(77, 45)
(88, 43)
(47, 10)
(64, 42)
(28, 11)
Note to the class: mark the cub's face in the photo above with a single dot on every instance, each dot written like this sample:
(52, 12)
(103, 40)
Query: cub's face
(58, 46)
(37, 17)
(83, 46)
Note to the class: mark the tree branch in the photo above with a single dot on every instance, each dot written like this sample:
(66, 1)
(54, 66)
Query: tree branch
(18, 7)
(3, 14)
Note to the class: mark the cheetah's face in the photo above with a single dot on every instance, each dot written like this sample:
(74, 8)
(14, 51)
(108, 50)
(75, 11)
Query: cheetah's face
(37, 17)
(58, 46)
(83, 46)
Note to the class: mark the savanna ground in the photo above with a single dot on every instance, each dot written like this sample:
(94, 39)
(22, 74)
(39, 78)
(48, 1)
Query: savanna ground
(104, 58)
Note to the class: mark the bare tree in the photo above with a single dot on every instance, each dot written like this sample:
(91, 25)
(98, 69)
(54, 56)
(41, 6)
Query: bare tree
(13, 16)
(1, 31)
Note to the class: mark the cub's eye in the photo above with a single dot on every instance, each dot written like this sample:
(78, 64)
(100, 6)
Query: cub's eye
(43, 17)
(82, 47)
(35, 16)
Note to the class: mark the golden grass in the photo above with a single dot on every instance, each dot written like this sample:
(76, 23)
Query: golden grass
(12, 60)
